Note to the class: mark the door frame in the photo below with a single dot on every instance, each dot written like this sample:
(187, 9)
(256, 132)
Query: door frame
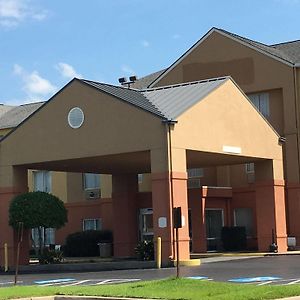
(222, 215)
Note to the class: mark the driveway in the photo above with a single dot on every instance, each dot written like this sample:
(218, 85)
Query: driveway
(255, 270)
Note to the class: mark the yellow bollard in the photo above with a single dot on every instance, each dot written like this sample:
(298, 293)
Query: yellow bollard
(158, 253)
(5, 258)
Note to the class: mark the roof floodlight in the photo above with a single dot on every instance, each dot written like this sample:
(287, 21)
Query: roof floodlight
(133, 78)
(122, 80)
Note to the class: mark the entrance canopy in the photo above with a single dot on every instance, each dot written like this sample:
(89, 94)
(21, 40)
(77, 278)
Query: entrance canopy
(95, 127)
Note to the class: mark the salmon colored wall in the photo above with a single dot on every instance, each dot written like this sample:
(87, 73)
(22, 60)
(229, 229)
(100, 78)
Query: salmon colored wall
(93, 209)
(245, 198)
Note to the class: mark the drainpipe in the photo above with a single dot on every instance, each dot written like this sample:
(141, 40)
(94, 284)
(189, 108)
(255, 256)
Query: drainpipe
(296, 111)
(170, 124)
(295, 66)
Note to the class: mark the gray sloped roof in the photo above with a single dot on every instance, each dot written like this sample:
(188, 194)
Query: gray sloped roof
(266, 48)
(291, 49)
(173, 100)
(131, 96)
(4, 109)
(14, 116)
(165, 102)
(144, 82)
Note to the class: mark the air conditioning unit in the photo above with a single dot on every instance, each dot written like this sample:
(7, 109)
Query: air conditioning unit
(92, 194)
(193, 183)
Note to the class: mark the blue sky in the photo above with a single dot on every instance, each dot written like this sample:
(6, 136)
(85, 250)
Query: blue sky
(44, 44)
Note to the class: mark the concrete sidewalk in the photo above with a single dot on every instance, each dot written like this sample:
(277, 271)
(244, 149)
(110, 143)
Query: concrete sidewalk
(236, 254)
(290, 298)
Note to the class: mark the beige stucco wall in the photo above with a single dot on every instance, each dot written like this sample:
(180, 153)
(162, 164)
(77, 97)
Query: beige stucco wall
(226, 117)
(219, 55)
(76, 191)
(100, 135)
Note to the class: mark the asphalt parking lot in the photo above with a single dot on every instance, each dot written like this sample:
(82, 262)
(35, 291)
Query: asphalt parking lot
(279, 270)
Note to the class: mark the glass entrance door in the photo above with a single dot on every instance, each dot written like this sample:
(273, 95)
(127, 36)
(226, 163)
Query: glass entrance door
(214, 223)
(146, 224)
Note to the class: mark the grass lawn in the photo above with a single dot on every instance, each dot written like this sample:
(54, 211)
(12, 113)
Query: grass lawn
(165, 289)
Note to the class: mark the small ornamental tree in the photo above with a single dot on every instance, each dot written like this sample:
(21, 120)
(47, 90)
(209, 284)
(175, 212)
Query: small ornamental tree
(37, 210)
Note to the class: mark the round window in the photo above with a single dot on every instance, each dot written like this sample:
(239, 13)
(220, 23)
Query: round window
(75, 117)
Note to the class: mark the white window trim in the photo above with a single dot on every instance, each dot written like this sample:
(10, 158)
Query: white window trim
(45, 174)
(90, 188)
(94, 220)
(260, 97)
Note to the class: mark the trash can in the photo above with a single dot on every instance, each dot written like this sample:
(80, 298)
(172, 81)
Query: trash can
(105, 249)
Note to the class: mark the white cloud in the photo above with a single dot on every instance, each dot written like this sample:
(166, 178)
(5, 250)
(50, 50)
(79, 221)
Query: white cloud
(13, 12)
(67, 71)
(36, 87)
(127, 69)
(145, 43)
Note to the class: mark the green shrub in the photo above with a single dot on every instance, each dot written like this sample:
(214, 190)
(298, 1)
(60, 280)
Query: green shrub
(50, 256)
(85, 243)
(145, 250)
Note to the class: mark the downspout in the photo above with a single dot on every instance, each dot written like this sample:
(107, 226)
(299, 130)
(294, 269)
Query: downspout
(171, 123)
(297, 140)
(296, 112)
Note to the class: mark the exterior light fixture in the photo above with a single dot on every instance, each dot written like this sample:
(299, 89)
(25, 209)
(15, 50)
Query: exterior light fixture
(282, 140)
(122, 80)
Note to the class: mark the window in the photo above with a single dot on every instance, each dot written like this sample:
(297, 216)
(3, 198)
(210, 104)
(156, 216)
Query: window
(48, 235)
(192, 173)
(42, 181)
(92, 224)
(140, 178)
(249, 167)
(261, 102)
(244, 217)
(194, 176)
(91, 181)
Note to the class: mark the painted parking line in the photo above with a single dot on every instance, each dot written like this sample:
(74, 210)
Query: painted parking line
(9, 282)
(254, 279)
(65, 282)
(117, 281)
(54, 281)
(76, 283)
(199, 278)
(294, 282)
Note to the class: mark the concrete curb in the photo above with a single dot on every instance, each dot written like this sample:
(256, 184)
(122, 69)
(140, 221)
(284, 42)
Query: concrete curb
(85, 267)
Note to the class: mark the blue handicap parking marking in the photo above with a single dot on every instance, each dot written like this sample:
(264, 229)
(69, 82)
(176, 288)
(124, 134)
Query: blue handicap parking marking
(198, 277)
(54, 280)
(254, 279)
